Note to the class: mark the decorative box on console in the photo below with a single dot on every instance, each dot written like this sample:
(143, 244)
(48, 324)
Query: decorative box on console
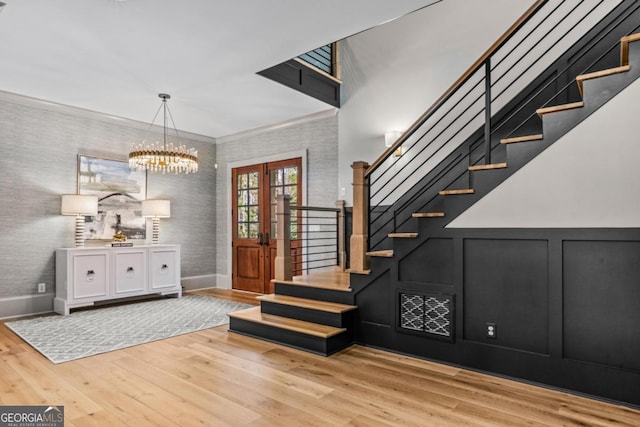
(87, 275)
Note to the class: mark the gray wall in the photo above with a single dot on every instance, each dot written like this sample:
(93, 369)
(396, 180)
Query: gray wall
(392, 73)
(317, 136)
(39, 144)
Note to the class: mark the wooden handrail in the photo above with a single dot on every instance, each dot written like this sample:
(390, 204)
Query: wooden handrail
(456, 85)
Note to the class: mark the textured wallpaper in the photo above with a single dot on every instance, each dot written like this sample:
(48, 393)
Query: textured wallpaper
(38, 162)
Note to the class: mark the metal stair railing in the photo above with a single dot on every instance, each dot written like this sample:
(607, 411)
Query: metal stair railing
(457, 130)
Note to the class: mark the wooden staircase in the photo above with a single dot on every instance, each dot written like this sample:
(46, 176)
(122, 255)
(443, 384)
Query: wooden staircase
(317, 313)
(311, 313)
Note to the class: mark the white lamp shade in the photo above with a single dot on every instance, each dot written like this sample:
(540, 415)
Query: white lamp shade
(76, 204)
(156, 208)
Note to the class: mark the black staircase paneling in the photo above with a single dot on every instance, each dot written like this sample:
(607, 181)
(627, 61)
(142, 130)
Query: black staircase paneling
(564, 303)
(430, 262)
(377, 302)
(303, 79)
(506, 285)
(600, 304)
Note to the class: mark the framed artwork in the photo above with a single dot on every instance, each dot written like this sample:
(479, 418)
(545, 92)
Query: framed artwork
(120, 192)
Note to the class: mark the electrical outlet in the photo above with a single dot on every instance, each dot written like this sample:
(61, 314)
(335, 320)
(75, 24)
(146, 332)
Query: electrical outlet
(492, 331)
(42, 288)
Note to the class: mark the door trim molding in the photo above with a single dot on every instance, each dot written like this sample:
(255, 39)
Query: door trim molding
(248, 162)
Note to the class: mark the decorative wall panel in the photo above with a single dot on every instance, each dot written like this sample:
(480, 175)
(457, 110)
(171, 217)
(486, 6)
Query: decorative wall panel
(601, 321)
(506, 284)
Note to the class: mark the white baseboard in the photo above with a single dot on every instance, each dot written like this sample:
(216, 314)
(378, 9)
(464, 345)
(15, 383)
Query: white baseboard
(26, 305)
(207, 281)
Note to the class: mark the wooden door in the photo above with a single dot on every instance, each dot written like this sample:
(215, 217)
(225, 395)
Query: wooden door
(254, 190)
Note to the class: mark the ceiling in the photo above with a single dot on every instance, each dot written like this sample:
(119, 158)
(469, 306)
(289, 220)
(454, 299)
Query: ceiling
(115, 56)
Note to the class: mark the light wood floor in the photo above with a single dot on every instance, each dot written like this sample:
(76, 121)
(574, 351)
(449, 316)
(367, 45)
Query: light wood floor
(215, 378)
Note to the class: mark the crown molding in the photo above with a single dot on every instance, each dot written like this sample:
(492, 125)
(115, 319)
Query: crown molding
(274, 126)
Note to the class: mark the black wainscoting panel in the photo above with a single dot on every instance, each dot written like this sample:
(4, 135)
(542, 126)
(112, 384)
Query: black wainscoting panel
(431, 262)
(601, 299)
(375, 301)
(506, 284)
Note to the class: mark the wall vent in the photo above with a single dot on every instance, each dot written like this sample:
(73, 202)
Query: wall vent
(426, 313)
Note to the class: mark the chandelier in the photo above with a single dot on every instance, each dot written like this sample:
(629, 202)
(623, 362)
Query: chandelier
(166, 156)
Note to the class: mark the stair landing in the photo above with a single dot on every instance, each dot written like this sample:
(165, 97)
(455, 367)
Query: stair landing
(336, 280)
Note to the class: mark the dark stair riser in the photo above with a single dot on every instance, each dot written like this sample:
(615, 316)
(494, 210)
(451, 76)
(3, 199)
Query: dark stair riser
(338, 320)
(521, 153)
(293, 339)
(597, 92)
(484, 181)
(310, 292)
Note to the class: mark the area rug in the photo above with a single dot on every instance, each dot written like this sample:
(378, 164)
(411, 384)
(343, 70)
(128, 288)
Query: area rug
(90, 332)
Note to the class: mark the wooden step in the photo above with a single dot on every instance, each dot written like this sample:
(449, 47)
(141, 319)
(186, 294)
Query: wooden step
(332, 280)
(353, 271)
(254, 315)
(456, 192)
(489, 166)
(624, 48)
(526, 138)
(557, 108)
(603, 73)
(402, 235)
(427, 214)
(381, 254)
(311, 304)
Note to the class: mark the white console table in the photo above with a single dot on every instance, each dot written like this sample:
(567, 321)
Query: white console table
(90, 274)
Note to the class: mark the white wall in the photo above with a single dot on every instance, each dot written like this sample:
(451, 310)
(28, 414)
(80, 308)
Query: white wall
(392, 73)
(588, 178)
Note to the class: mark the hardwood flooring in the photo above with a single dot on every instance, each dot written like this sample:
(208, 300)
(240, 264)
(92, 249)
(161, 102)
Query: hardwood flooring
(215, 378)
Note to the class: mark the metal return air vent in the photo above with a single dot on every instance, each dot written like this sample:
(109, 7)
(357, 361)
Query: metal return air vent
(426, 313)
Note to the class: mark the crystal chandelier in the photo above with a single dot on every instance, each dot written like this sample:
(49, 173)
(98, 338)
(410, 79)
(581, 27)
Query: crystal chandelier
(166, 156)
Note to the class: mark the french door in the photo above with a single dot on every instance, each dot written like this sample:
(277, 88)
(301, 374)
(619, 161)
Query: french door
(254, 191)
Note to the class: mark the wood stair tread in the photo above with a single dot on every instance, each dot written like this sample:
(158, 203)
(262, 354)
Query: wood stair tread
(624, 48)
(329, 307)
(254, 314)
(333, 280)
(557, 108)
(402, 235)
(603, 73)
(457, 191)
(427, 214)
(382, 254)
(526, 138)
(489, 166)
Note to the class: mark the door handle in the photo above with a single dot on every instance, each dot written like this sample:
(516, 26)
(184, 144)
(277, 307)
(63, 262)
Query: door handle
(266, 238)
(260, 242)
